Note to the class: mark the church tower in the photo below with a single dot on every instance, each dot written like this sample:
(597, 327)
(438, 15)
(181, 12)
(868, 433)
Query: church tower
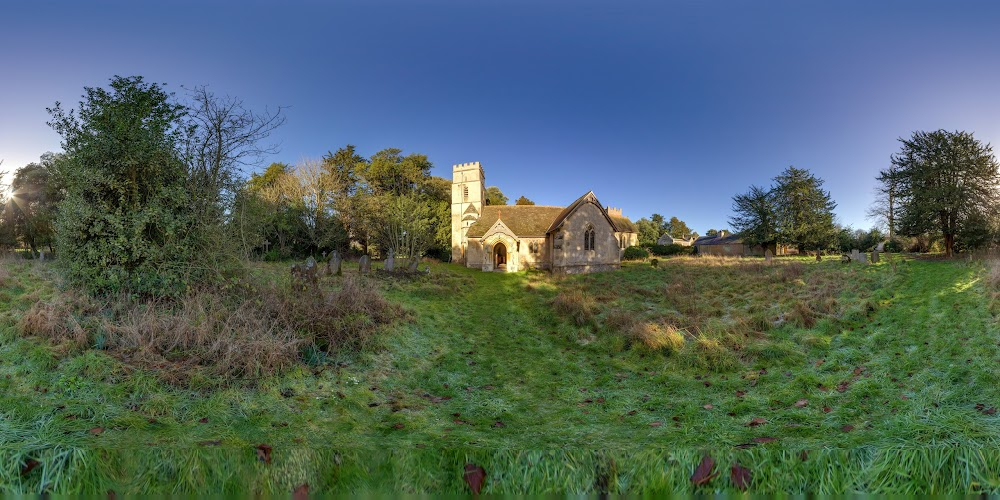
(468, 195)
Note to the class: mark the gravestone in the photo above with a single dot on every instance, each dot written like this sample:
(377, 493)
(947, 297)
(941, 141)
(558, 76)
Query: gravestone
(413, 264)
(855, 255)
(310, 263)
(333, 265)
(364, 265)
(41, 256)
(390, 261)
(768, 255)
(427, 270)
(875, 257)
(863, 258)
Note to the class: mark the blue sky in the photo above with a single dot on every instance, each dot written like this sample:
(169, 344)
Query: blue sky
(667, 107)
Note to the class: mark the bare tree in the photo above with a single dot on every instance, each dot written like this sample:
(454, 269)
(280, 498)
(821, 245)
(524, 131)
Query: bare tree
(224, 138)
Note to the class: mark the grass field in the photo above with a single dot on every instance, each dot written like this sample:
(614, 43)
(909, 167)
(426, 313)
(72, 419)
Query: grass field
(814, 376)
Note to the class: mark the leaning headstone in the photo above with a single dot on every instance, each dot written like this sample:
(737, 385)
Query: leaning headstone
(875, 257)
(863, 258)
(310, 262)
(390, 261)
(768, 255)
(333, 265)
(365, 265)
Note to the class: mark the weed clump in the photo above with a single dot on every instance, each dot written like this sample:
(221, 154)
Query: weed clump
(575, 305)
(56, 319)
(657, 337)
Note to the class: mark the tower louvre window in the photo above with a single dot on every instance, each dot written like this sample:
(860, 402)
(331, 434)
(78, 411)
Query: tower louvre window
(465, 193)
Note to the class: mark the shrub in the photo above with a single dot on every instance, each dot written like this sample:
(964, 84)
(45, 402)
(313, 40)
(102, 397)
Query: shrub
(635, 253)
(893, 246)
(668, 250)
(576, 305)
(654, 263)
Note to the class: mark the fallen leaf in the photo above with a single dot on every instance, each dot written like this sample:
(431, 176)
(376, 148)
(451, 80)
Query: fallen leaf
(739, 476)
(744, 446)
(203, 420)
(499, 424)
(703, 473)
(264, 453)
(398, 425)
(991, 411)
(655, 424)
(859, 370)
(847, 428)
(29, 465)
(756, 421)
(301, 492)
(819, 362)
(708, 407)
(764, 439)
(96, 431)
(841, 387)
(740, 394)
(474, 477)
(827, 409)
(632, 412)
(801, 403)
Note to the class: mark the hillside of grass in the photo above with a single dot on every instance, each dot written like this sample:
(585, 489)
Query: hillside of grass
(813, 376)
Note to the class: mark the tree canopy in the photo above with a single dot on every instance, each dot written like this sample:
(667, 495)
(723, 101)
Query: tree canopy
(794, 211)
(944, 182)
(523, 201)
(494, 196)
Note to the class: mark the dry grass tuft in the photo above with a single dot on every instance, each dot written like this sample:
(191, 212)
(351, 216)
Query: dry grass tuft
(5, 275)
(57, 319)
(345, 319)
(802, 315)
(203, 332)
(657, 337)
(576, 305)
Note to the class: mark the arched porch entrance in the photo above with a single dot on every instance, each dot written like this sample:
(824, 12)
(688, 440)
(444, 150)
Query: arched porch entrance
(500, 257)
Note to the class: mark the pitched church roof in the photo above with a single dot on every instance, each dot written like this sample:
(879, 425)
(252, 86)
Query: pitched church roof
(623, 225)
(523, 220)
(590, 197)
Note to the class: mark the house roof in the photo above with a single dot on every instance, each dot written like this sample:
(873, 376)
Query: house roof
(623, 225)
(523, 220)
(729, 239)
(590, 197)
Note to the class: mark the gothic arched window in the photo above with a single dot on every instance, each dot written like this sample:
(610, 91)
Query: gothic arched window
(588, 239)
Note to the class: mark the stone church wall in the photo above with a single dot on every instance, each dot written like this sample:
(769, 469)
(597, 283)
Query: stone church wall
(573, 257)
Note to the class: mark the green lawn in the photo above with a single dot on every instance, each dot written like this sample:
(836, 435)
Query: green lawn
(860, 379)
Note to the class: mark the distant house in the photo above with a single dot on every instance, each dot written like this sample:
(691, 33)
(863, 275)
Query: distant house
(727, 244)
(666, 239)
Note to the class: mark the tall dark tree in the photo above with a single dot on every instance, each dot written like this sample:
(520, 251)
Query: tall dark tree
(523, 200)
(678, 229)
(804, 210)
(755, 217)
(945, 182)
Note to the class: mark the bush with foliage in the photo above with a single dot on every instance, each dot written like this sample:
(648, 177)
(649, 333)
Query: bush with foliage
(125, 222)
(893, 246)
(668, 250)
(635, 253)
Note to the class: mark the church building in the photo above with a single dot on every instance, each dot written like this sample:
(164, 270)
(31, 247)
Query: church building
(580, 238)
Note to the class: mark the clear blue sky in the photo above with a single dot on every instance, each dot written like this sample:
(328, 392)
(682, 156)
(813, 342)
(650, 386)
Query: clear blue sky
(667, 107)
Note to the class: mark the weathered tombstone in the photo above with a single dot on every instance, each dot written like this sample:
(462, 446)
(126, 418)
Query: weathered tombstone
(41, 255)
(855, 254)
(333, 265)
(863, 258)
(390, 262)
(875, 257)
(414, 262)
(768, 255)
(364, 265)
